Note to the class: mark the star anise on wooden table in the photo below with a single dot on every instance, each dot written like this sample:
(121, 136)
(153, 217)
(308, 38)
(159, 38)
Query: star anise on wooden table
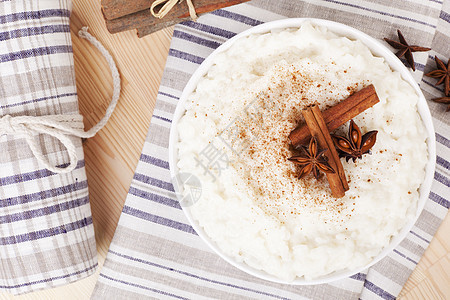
(357, 144)
(442, 73)
(405, 49)
(313, 160)
(445, 100)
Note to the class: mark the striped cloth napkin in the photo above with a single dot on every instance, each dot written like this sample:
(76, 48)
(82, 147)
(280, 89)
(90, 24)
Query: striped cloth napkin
(46, 232)
(155, 253)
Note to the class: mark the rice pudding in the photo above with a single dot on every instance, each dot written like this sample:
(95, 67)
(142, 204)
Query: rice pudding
(234, 139)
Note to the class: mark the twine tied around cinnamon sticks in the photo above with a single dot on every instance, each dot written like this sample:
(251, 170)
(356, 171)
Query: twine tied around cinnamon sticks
(168, 5)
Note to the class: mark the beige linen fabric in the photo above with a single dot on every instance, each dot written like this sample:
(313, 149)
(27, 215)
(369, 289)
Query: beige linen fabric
(46, 232)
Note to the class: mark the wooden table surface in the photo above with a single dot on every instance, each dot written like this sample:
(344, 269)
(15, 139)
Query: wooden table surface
(112, 155)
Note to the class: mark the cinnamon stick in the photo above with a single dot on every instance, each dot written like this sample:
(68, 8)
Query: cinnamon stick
(143, 31)
(113, 9)
(143, 18)
(339, 114)
(318, 128)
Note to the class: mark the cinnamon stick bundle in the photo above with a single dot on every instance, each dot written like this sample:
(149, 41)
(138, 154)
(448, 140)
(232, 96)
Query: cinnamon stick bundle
(122, 15)
(316, 124)
(339, 114)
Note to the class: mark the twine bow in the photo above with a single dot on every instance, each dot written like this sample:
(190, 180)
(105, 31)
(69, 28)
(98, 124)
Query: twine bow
(168, 5)
(61, 127)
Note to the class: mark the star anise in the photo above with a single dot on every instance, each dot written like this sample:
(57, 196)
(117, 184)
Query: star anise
(405, 49)
(442, 73)
(312, 160)
(445, 100)
(357, 144)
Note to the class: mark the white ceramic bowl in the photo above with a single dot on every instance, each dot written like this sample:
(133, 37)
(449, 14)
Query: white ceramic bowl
(377, 49)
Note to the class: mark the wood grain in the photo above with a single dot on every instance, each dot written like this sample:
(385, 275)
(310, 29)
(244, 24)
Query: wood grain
(112, 155)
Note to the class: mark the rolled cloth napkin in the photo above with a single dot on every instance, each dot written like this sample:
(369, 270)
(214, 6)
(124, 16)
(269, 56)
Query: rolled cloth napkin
(46, 232)
(155, 253)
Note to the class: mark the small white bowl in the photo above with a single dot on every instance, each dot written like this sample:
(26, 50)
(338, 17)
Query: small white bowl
(377, 49)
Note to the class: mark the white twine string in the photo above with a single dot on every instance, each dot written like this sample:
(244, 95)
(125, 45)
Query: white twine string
(62, 127)
(168, 5)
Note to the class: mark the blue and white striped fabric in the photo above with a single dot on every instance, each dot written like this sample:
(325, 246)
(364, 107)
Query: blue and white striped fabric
(46, 232)
(155, 253)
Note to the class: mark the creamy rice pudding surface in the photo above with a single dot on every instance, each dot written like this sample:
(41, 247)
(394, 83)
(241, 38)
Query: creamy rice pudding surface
(234, 138)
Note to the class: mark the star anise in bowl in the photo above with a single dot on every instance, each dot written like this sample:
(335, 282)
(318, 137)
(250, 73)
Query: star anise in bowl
(357, 144)
(313, 160)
